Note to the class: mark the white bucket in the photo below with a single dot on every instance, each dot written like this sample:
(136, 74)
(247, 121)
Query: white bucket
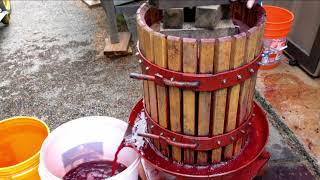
(84, 140)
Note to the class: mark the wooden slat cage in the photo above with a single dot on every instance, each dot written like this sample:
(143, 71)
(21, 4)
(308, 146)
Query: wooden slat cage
(201, 113)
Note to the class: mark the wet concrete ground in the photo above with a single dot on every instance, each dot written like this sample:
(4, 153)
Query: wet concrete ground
(286, 161)
(52, 66)
(294, 96)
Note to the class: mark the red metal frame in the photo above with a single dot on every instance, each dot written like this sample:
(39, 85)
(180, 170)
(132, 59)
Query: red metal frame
(243, 167)
(195, 142)
(195, 82)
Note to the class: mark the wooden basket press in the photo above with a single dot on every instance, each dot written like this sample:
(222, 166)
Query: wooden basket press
(198, 93)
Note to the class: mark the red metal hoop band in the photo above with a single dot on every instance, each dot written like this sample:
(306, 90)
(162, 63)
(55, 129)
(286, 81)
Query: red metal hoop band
(195, 82)
(193, 142)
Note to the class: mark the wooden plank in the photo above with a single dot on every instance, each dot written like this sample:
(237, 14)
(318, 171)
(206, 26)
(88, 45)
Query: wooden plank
(120, 48)
(204, 107)
(251, 55)
(174, 46)
(254, 77)
(221, 63)
(92, 3)
(251, 17)
(160, 58)
(260, 39)
(244, 89)
(142, 49)
(244, 12)
(116, 55)
(152, 88)
(236, 10)
(189, 97)
(149, 53)
(237, 60)
(122, 2)
(155, 16)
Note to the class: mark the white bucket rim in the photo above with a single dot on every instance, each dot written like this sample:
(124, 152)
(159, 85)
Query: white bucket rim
(42, 165)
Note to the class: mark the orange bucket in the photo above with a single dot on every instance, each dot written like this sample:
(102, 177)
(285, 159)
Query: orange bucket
(278, 26)
(21, 140)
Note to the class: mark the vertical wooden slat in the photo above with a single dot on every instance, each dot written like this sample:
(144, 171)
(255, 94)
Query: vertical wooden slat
(160, 58)
(244, 90)
(260, 39)
(250, 21)
(174, 47)
(141, 38)
(244, 12)
(236, 9)
(254, 77)
(155, 15)
(148, 41)
(221, 63)
(150, 56)
(237, 59)
(251, 52)
(204, 107)
(250, 97)
(189, 99)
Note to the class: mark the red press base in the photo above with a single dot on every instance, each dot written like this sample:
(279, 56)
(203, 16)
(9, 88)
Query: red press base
(243, 167)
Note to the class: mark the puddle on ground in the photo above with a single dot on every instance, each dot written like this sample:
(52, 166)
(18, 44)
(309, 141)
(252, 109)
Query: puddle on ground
(298, 104)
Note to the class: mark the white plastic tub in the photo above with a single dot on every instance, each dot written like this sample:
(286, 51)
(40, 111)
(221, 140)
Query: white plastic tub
(84, 140)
